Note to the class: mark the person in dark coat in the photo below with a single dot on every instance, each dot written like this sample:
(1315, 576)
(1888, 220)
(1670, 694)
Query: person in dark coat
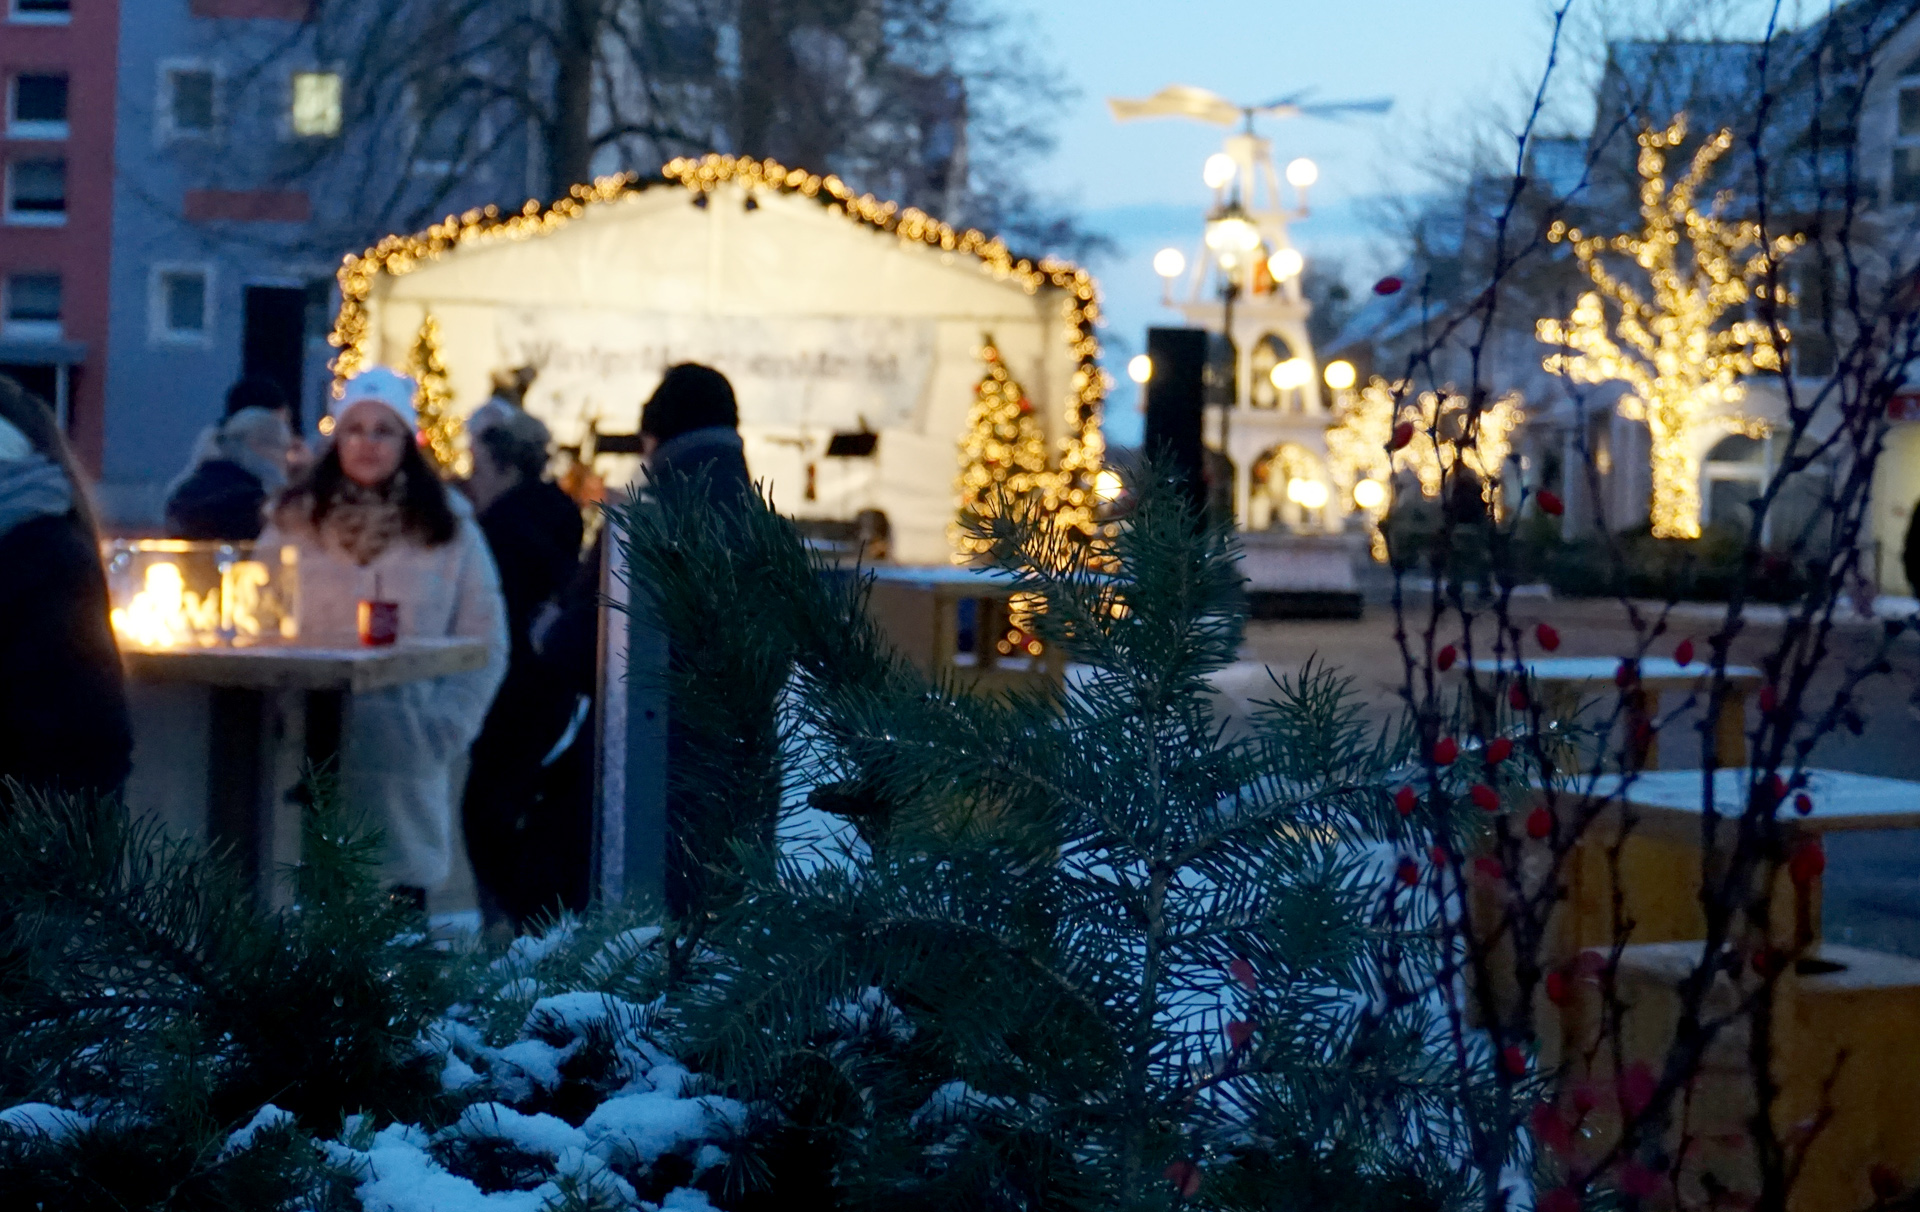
(690, 431)
(690, 428)
(529, 849)
(236, 466)
(63, 703)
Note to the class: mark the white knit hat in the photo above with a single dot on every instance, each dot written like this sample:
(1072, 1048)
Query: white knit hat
(383, 386)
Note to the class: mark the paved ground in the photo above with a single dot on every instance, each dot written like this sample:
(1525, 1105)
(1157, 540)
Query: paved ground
(1873, 879)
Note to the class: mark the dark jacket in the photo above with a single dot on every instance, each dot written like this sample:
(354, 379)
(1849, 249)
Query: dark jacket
(714, 457)
(534, 532)
(219, 500)
(528, 840)
(63, 703)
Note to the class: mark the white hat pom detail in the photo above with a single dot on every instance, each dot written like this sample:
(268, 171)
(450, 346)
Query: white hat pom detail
(382, 386)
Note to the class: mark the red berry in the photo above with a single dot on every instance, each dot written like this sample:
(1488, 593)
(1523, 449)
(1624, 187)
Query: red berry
(1683, 653)
(1551, 1130)
(1808, 860)
(1444, 659)
(1489, 869)
(1438, 854)
(1885, 1181)
(1636, 1087)
(1539, 824)
(1513, 1060)
(1388, 285)
(1485, 798)
(1499, 749)
(1560, 1199)
(1769, 698)
(1407, 872)
(1803, 803)
(1445, 750)
(1625, 674)
(1549, 638)
(1585, 1097)
(1550, 503)
(1185, 1177)
(1238, 1033)
(1405, 800)
(1402, 434)
(1242, 971)
(1558, 989)
(1517, 696)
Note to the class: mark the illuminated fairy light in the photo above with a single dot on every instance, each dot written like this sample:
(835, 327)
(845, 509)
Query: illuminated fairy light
(1004, 450)
(1360, 463)
(1081, 451)
(1683, 368)
(441, 428)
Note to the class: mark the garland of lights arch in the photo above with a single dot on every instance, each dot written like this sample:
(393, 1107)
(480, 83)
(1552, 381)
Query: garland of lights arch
(1080, 451)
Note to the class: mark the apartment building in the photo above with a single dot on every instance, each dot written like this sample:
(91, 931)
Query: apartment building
(58, 67)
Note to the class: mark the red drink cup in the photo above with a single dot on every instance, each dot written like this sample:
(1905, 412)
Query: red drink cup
(379, 623)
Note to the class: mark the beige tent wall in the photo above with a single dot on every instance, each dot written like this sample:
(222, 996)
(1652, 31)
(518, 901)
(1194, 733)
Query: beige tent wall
(644, 271)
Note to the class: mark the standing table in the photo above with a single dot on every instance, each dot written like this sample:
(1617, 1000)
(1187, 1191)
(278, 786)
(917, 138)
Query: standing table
(223, 735)
(1566, 684)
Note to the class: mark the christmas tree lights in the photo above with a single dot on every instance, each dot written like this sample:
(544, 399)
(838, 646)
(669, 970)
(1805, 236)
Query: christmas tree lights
(441, 428)
(1682, 365)
(1004, 452)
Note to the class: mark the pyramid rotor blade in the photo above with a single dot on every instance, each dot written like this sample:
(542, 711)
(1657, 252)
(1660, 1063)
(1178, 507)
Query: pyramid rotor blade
(1177, 101)
(1335, 109)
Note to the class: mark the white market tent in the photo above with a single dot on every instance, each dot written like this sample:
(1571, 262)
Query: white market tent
(832, 314)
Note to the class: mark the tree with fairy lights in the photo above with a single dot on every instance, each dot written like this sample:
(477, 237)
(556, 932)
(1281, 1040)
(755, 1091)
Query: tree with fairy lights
(440, 427)
(1004, 450)
(1668, 344)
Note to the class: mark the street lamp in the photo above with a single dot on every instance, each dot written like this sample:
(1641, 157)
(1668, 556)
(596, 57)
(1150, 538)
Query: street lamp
(1285, 263)
(1169, 263)
(1231, 233)
(1219, 170)
(1340, 375)
(1140, 368)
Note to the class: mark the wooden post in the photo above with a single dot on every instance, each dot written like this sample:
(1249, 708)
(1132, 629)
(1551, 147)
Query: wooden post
(630, 820)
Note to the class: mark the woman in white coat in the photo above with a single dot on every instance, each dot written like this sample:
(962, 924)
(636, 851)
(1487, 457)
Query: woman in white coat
(373, 522)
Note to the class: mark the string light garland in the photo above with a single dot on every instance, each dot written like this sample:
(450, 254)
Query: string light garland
(1069, 495)
(441, 429)
(1682, 367)
(1357, 444)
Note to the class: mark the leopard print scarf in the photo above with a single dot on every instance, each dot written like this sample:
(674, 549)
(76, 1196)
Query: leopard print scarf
(365, 521)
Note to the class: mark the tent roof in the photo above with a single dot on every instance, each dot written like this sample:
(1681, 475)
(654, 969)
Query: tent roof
(624, 271)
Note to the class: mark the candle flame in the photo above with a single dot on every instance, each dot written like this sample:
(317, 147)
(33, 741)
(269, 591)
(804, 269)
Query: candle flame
(166, 614)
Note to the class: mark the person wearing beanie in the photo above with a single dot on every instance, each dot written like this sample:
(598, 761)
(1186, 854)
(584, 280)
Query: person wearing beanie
(529, 833)
(690, 429)
(373, 522)
(236, 466)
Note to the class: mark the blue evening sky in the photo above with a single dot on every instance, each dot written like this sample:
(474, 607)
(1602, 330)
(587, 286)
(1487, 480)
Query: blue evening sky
(1454, 69)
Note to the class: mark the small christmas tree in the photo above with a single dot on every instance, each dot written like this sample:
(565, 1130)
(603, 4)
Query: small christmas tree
(441, 428)
(1003, 455)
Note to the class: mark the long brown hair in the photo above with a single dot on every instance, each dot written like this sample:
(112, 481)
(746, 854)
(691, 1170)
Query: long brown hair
(424, 511)
(30, 415)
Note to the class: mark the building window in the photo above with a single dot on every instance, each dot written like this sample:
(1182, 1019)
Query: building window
(316, 104)
(37, 192)
(48, 12)
(181, 310)
(1906, 143)
(33, 306)
(188, 102)
(37, 107)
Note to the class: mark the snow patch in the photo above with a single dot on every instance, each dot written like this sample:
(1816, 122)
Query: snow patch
(44, 1119)
(268, 1116)
(546, 1135)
